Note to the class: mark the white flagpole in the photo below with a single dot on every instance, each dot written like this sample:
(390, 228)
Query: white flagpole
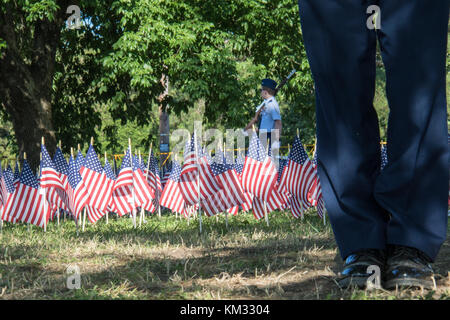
(133, 193)
(226, 212)
(198, 181)
(266, 216)
(84, 218)
(42, 192)
(25, 158)
(107, 212)
(301, 204)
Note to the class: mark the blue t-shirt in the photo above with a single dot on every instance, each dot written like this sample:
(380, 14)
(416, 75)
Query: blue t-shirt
(270, 113)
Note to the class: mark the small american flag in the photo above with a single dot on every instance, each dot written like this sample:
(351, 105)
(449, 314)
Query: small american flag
(7, 191)
(29, 202)
(299, 175)
(94, 180)
(171, 196)
(110, 179)
(16, 175)
(259, 173)
(124, 201)
(165, 174)
(50, 177)
(143, 193)
(50, 181)
(153, 177)
(10, 173)
(79, 161)
(62, 167)
(239, 167)
(208, 183)
(76, 191)
(189, 174)
(228, 180)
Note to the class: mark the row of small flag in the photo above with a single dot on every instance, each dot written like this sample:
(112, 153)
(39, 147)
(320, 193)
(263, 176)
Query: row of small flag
(247, 183)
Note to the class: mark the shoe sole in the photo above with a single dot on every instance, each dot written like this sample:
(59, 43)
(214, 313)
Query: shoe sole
(408, 282)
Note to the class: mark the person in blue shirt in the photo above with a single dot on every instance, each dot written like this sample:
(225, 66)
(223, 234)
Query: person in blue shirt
(269, 114)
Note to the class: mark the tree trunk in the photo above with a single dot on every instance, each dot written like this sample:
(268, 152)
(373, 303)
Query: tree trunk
(26, 80)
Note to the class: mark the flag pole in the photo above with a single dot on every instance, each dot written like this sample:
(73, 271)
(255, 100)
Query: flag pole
(226, 212)
(141, 215)
(75, 218)
(133, 194)
(301, 204)
(84, 211)
(198, 181)
(266, 216)
(107, 212)
(25, 158)
(43, 191)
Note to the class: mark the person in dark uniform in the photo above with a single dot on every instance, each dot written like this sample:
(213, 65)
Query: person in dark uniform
(395, 219)
(268, 115)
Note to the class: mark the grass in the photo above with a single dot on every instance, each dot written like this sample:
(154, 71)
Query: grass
(169, 259)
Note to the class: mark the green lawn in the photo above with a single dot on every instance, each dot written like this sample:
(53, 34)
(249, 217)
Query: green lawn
(168, 259)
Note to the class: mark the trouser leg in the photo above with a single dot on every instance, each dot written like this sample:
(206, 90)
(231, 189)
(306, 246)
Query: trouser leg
(341, 51)
(414, 185)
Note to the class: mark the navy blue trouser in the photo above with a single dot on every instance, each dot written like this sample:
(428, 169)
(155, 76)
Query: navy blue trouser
(412, 189)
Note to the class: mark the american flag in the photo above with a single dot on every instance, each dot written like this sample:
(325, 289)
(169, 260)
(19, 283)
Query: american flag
(234, 211)
(321, 210)
(239, 167)
(228, 180)
(299, 175)
(79, 161)
(316, 190)
(94, 180)
(110, 179)
(189, 174)
(384, 159)
(153, 178)
(217, 202)
(284, 195)
(144, 195)
(259, 173)
(7, 191)
(296, 207)
(123, 198)
(10, 173)
(16, 175)
(50, 177)
(62, 167)
(165, 173)
(50, 181)
(29, 202)
(208, 183)
(171, 196)
(77, 193)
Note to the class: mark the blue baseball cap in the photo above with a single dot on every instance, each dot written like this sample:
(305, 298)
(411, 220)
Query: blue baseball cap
(269, 83)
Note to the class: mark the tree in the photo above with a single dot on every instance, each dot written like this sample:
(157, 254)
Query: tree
(30, 33)
(213, 51)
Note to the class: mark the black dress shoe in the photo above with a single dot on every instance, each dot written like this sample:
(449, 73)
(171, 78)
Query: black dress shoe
(408, 267)
(356, 265)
